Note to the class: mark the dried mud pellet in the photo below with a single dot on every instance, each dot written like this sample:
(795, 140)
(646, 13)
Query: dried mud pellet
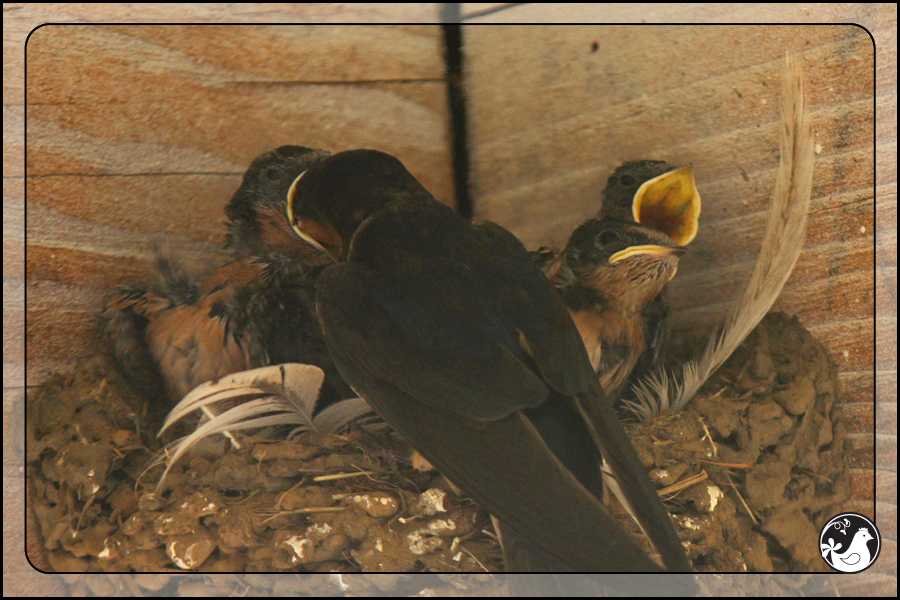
(284, 451)
(230, 563)
(200, 504)
(312, 545)
(661, 477)
(122, 437)
(137, 522)
(377, 504)
(797, 398)
(306, 497)
(430, 502)
(188, 552)
(175, 523)
(151, 502)
(705, 496)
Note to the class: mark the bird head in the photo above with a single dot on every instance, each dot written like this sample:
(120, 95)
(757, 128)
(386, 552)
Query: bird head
(626, 262)
(328, 203)
(257, 217)
(655, 194)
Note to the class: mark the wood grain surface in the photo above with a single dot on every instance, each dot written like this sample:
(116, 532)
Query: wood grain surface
(554, 109)
(545, 145)
(140, 133)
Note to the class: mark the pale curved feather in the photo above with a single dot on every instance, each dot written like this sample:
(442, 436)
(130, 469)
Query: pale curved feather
(269, 396)
(781, 246)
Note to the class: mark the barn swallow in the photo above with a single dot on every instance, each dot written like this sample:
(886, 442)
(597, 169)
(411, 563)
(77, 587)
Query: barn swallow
(459, 342)
(174, 335)
(623, 331)
(610, 272)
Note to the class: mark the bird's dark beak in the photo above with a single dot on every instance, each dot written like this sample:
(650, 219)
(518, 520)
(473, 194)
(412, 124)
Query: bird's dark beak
(647, 250)
(670, 203)
(309, 230)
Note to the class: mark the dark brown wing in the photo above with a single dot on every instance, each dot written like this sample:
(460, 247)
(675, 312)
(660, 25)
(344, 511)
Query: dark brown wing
(460, 322)
(502, 462)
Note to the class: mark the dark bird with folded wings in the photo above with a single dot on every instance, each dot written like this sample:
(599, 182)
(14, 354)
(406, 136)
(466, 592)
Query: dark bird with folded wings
(460, 343)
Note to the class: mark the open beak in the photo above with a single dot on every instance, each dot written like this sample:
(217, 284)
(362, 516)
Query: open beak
(648, 250)
(297, 225)
(670, 203)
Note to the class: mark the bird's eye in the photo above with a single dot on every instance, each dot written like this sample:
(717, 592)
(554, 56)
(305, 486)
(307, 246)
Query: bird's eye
(608, 237)
(274, 174)
(627, 180)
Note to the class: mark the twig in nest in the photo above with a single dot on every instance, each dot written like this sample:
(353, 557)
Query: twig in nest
(253, 493)
(286, 492)
(656, 440)
(404, 508)
(475, 558)
(342, 476)
(729, 465)
(81, 437)
(808, 472)
(478, 529)
(741, 498)
(708, 436)
(684, 483)
(301, 511)
(83, 510)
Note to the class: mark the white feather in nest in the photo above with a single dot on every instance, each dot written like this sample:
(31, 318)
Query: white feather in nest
(781, 246)
(261, 398)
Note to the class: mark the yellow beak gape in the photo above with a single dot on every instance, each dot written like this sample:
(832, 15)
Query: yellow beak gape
(648, 250)
(297, 226)
(670, 203)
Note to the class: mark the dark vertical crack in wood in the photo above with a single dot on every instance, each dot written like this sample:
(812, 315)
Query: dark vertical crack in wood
(453, 58)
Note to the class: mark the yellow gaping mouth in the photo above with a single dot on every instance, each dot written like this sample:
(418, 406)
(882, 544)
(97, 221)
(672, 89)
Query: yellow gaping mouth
(670, 203)
(648, 250)
(297, 226)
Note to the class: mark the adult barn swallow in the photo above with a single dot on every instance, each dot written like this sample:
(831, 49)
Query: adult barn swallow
(619, 306)
(460, 344)
(174, 335)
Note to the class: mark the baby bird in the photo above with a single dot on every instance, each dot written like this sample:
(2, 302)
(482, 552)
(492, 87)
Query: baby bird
(609, 272)
(653, 204)
(173, 335)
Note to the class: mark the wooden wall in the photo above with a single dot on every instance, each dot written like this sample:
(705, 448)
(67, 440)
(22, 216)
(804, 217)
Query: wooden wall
(138, 133)
(554, 109)
(131, 134)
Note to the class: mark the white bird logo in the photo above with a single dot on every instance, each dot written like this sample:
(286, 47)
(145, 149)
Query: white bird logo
(854, 558)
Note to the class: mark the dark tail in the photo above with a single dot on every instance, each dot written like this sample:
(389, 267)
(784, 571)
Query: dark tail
(632, 478)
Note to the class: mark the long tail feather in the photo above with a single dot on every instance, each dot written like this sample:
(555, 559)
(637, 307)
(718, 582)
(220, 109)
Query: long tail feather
(781, 246)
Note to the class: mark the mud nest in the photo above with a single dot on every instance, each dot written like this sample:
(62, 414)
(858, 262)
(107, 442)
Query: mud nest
(770, 458)
(749, 471)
